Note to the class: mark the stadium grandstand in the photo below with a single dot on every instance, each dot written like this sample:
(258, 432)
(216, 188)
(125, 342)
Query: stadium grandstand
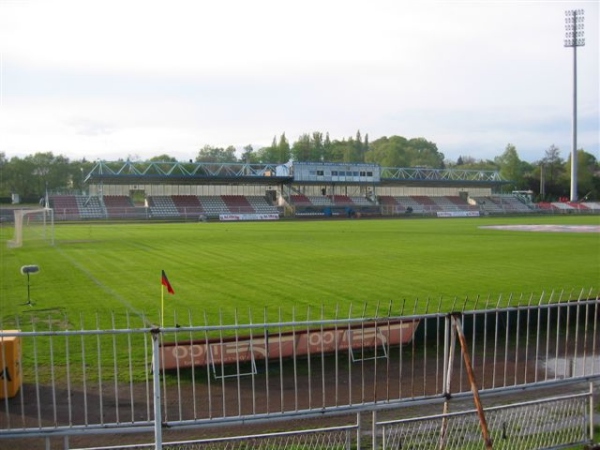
(237, 191)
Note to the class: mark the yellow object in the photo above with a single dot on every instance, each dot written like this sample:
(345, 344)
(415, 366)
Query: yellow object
(11, 376)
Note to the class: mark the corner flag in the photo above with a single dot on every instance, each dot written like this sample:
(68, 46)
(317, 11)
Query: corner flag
(165, 283)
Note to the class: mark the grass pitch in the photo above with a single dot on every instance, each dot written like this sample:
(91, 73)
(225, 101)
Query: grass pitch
(101, 275)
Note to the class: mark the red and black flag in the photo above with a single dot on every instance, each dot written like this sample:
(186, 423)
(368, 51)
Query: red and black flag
(165, 282)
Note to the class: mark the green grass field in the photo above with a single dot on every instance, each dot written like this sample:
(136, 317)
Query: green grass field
(259, 269)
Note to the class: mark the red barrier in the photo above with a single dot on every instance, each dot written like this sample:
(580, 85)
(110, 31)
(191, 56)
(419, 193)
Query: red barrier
(286, 344)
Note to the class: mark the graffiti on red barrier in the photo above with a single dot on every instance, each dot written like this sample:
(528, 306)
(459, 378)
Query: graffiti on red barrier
(286, 344)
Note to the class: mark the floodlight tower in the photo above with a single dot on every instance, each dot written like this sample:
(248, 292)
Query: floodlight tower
(574, 38)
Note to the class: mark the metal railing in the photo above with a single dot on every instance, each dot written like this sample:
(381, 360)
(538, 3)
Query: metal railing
(248, 377)
(545, 423)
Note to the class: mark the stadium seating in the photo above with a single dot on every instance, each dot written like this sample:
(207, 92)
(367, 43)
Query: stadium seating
(213, 205)
(592, 206)
(117, 201)
(502, 204)
(237, 204)
(406, 202)
(122, 207)
(387, 200)
(90, 207)
(320, 200)
(65, 207)
(341, 200)
(300, 200)
(513, 204)
(562, 206)
(261, 205)
(162, 206)
(489, 205)
(425, 202)
(577, 205)
(547, 206)
(77, 207)
(453, 203)
(189, 206)
(361, 201)
(569, 207)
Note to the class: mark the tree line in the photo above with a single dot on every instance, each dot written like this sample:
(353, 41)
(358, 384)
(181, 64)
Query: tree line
(549, 178)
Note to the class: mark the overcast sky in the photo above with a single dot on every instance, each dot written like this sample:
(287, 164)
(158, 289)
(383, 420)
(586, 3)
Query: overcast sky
(115, 79)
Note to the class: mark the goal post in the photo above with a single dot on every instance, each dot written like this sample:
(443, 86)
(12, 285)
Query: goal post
(33, 224)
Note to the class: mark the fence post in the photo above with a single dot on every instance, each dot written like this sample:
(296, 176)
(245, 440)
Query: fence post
(374, 430)
(591, 402)
(155, 333)
(449, 345)
(358, 429)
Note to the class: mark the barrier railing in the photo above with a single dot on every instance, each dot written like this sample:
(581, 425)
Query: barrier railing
(88, 386)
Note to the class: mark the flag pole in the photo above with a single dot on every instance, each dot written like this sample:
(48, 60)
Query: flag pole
(164, 282)
(162, 306)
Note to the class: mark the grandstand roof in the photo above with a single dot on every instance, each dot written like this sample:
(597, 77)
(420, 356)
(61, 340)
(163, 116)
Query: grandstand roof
(184, 173)
(420, 176)
(177, 173)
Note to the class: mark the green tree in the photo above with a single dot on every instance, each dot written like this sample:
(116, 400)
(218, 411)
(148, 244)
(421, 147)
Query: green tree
(301, 149)
(397, 151)
(210, 154)
(20, 177)
(4, 189)
(511, 168)
(79, 171)
(249, 156)
(317, 146)
(471, 163)
(269, 154)
(353, 150)
(359, 149)
(327, 149)
(50, 173)
(163, 158)
(283, 150)
(423, 153)
(388, 152)
(338, 151)
(553, 173)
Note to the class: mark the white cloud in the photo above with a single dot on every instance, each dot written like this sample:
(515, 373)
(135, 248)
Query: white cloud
(112, 77)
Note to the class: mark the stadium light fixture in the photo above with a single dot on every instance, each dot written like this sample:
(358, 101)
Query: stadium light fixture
(27, 270)
(574, 37)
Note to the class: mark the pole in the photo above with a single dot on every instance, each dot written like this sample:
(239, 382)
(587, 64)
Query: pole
(574, 121)
(156, 387)
(591, 412)
(449, 334)
(574, 37)
(162, 306)
(28, 296)
(487, 440)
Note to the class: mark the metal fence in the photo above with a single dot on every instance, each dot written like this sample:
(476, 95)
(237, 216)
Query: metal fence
(546, 423)
(320, 384)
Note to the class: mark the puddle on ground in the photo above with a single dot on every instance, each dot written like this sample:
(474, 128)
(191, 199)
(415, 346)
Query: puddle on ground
(573, 367)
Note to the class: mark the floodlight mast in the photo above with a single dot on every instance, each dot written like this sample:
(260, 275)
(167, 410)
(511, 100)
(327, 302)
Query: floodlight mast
(574, 37)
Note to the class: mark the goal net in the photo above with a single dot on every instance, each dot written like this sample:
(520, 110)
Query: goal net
(33, 225)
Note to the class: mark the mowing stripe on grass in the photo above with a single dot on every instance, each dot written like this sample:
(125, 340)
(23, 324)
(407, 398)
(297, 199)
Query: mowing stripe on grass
(103, 286)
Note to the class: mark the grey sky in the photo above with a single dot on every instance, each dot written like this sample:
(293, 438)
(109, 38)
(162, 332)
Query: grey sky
(111, 79)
